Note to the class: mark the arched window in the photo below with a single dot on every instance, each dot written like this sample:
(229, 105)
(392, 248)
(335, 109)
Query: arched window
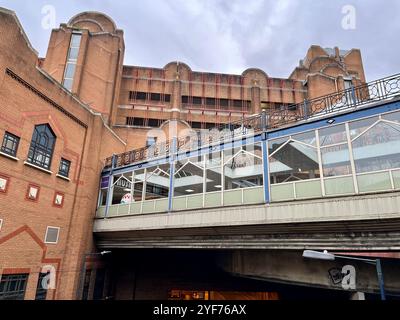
(42, 146)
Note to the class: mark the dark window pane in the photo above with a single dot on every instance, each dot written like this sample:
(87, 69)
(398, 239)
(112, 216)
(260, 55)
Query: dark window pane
(153, 123)
(155, 96)
(12, 286)
(224, 102)
(210, 102)
(42, 146)
(210, 125)
(185, 99)
(197, 100)
(10, 144)
(167, 98)
(237, 103)
(64, 167)
(41, 290)
(196, 125)
(141, 96)
(138, 122)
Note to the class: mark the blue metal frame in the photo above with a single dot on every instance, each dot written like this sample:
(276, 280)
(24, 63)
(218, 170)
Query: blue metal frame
(267, 197)
(263, 137)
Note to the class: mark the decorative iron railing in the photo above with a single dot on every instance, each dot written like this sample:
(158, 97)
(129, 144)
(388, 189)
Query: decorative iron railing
(269, 119)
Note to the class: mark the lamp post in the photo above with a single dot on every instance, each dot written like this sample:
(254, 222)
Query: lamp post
(79, 292)
(329, 256)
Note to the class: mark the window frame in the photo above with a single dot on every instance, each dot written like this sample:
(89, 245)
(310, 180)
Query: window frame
(60, 172)
(6, 136)
(36, 149)
(16, 294)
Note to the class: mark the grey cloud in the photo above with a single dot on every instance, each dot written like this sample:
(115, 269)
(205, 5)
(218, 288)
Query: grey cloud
(231, 35)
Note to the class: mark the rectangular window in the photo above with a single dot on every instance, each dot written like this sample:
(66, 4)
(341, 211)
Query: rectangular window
(64, 167)
(141, 96)
(155, 123)
(41, 291)
(196, 125)
(10, 144)
(138, 122)
(197, 100)
(210, 102)
(237, 103)
(72, 58)
(52, 234)
(185, 99)
(155, 96)
(167, 98)
(224, 102)
(13, 286)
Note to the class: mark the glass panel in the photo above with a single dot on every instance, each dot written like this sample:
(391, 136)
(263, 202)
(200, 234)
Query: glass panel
(229, 153)
(336, 160)
(103, 197)
(157, 182)
(336, 186)
(68, 84)
(213, 180)
(121, 191)
(161, 205)
(281, 192)
(213, 160)
(395, 116)
(135, 208)
(378, 148)
(195, 201)
(306, 137)
(212, 199)
(179, 203)
(308, 189)
(332, 135)
(148, 206)
(188, 177)
(374, 182)
(253, 195)
(273, 145)
(101, 212)
(113, 211)
(123, 209)
(233, 197)
(73, 53)
(357, 127)
(75, 40)
(243, 171)
(294, 161)
(70, 71)
(396, 179)
(255, 149)
(138, 187)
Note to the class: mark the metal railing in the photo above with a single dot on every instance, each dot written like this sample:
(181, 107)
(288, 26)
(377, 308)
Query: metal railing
(269, 119)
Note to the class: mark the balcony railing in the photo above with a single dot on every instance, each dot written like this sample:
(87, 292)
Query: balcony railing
(269, 119)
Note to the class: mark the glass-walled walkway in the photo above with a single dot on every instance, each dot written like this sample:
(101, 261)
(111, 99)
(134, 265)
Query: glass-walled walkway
(346, 154)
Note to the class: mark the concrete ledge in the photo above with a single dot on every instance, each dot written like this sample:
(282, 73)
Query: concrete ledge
(367, 207)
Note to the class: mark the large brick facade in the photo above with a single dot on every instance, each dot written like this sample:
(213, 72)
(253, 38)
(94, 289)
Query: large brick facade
(111, 108)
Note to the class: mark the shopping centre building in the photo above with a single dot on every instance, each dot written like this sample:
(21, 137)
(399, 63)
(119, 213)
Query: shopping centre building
(89, 144)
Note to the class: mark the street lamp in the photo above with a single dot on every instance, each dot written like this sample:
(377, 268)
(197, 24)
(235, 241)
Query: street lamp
(79, 292)
(329, 256)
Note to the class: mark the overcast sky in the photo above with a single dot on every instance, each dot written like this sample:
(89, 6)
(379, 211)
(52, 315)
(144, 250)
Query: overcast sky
(229, 36)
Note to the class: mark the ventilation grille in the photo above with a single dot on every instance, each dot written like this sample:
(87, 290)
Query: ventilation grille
(52, 235)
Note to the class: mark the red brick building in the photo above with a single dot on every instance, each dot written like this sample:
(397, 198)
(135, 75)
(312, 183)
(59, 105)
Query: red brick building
(61, 116)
